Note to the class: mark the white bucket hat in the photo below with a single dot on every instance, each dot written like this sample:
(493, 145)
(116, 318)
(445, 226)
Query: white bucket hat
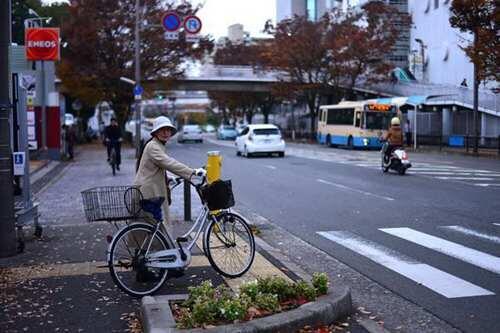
(161, 122)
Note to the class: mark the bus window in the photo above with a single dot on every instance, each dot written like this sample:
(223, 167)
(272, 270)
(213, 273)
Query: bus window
(340, 116)
(378, 120)
(358, 119)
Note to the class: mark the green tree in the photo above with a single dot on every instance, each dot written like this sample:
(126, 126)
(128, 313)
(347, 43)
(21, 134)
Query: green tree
(100, 37)
(481, 19)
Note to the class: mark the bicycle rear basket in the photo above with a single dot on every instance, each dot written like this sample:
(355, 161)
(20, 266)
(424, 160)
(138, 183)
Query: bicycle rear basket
(111, 203)
(218, 195)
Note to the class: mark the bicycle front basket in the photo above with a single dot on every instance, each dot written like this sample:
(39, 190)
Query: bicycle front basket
(218, 195)
(111, 203)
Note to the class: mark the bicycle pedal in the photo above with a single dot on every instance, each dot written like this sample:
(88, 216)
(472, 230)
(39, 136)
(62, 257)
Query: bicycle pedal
(182, 239)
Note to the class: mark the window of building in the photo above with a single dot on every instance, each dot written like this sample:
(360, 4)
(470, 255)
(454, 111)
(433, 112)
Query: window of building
(311, 10)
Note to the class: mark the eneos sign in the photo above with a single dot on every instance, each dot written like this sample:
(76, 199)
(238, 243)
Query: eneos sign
(42, 44)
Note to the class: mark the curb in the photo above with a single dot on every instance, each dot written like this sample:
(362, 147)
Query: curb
(156, 316)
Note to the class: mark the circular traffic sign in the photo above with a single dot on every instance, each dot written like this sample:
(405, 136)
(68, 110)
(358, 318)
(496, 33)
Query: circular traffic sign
(192, 24)
(171, 21)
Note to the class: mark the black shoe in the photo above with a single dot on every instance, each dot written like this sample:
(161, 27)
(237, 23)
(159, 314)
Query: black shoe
(118, 167)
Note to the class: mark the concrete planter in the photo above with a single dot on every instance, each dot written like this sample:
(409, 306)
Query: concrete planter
(157, 317)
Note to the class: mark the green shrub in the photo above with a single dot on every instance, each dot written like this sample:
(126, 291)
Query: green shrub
(233, 309)
(267, 302)
(250, 289)
(205, 312)
(320, 283)
(278, 286)
(205, 291)
(305, 290)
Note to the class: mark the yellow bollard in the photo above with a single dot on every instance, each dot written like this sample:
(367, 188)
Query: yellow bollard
(214, 165)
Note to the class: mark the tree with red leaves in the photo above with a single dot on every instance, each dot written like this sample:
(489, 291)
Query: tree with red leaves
(334, 53)
(481, 18)
(100, 37)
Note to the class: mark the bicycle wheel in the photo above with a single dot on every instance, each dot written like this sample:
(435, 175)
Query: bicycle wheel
(229, 245)
(127, 259)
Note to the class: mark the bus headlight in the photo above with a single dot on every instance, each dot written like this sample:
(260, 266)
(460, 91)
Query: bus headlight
(366, 141)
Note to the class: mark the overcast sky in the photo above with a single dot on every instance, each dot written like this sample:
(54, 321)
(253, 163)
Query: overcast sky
(217, 15)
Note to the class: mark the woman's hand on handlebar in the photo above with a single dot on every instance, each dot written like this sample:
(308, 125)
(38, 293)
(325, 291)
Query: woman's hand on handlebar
(199, 176)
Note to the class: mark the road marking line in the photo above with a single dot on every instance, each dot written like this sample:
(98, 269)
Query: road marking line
(486, 185)
(497, 224)
(474, 257)
(442, 173)
(355, 190)
(438, 281)
(467, 231)
(464, 178)
(270, 167)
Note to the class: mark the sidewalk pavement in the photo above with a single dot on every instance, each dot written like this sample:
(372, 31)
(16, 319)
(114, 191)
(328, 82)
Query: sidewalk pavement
(61, 283)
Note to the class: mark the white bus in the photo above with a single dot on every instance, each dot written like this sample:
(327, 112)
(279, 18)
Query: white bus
(354, 124)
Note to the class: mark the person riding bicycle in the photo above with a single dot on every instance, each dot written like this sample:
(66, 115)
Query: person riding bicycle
(113, 138)
(394, 138)
(154, 161)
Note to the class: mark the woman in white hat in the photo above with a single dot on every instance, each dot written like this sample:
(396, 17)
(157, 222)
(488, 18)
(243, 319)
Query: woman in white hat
(154, 161)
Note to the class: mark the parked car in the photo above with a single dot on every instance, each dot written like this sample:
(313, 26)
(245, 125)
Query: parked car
(260, 139)
(190, 133)
(69, 119)
(226, 132)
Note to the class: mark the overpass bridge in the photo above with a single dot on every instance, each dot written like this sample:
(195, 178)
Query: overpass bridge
(249, 79)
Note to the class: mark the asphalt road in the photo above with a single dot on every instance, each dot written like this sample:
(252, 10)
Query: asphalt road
(431, 236)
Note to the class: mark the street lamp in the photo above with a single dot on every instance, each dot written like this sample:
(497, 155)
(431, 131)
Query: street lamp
(138, 133)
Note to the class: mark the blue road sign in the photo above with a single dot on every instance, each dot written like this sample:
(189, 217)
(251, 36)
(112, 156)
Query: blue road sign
(192, 24)
(138, 90)
(171, 21)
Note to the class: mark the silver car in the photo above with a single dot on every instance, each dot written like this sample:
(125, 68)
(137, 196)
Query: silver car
(190, 133)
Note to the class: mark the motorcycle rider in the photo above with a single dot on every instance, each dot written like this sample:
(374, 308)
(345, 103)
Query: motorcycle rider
(394, 138)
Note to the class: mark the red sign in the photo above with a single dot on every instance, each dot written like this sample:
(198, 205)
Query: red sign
(42, 44)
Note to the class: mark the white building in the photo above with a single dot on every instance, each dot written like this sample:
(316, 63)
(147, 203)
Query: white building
(235, 33)
(313, 8)
(445, 62)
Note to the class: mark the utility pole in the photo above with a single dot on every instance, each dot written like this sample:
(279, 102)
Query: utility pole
(137, 45)
(7, 221)
(475, 101)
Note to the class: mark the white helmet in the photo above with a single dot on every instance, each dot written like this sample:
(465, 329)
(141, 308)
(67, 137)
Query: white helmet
(161, 122)
(395, 121)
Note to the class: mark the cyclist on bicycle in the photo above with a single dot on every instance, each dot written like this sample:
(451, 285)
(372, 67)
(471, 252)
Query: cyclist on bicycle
(154, 161)
(113, 138)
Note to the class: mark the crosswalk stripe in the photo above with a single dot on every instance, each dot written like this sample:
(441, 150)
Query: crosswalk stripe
(439, 281)
(486, 185)
(467, 231)
(465, 178)
(474, 257)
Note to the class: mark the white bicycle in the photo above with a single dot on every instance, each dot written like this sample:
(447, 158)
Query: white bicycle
(141, 254)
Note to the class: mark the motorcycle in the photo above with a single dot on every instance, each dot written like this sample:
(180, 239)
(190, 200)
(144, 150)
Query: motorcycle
(397, 160)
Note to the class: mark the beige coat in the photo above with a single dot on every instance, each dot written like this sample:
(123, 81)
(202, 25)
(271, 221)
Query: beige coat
(150, 176)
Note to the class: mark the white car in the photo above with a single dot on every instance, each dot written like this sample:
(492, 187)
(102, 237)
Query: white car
(190, 133)
(69, 119)
(260, 138)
